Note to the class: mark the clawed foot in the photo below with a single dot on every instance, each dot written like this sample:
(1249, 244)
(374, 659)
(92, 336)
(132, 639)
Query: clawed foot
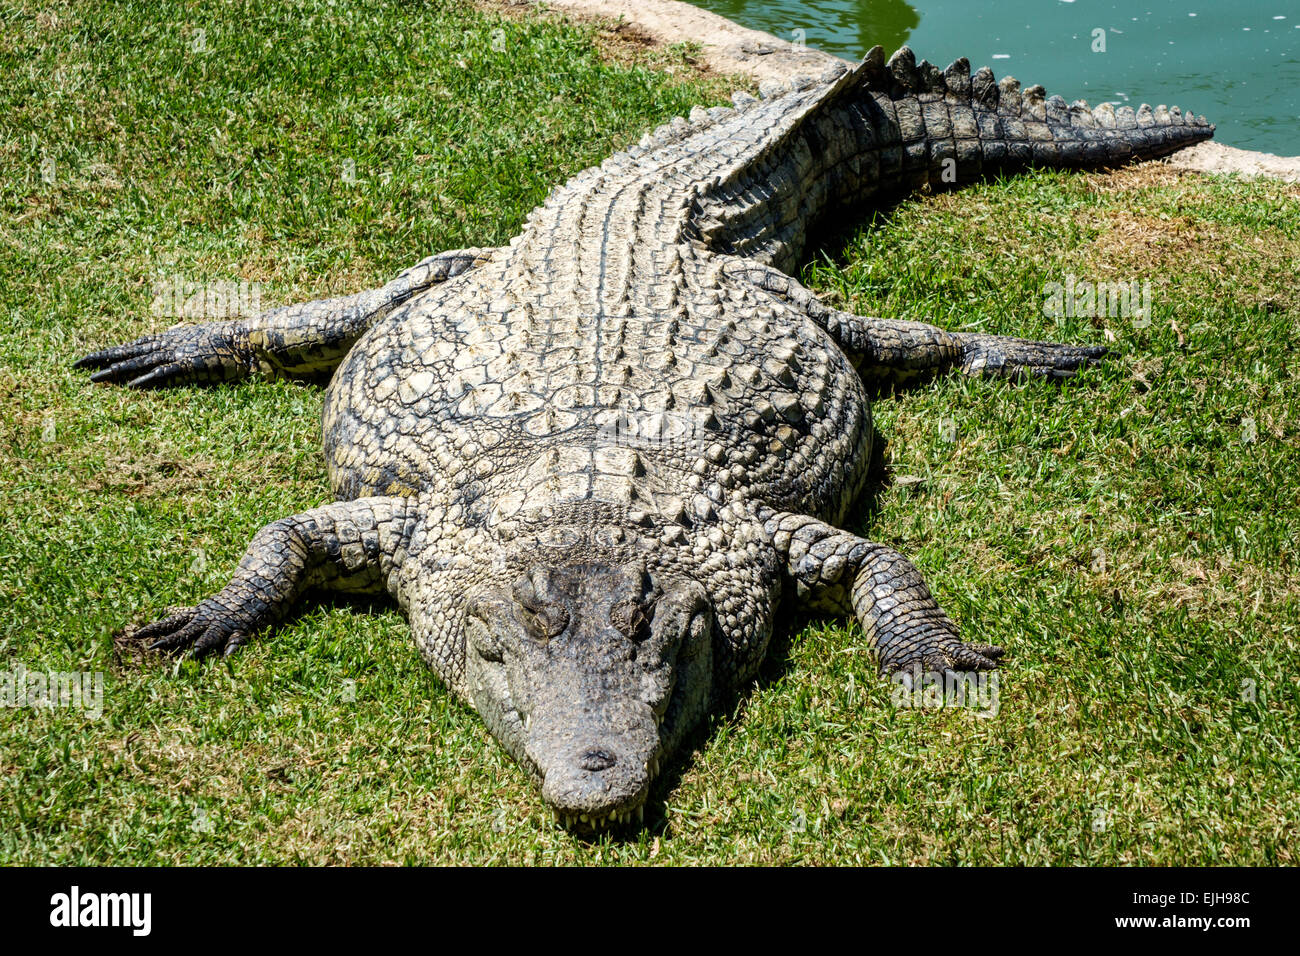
(960, 656)
(199, 631)
(1010, 357)
(177, 356)
(946, 654)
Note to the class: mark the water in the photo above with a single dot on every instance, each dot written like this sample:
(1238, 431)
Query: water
(1238, 62)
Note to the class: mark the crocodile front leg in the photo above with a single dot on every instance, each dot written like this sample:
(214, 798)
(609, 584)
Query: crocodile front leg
(296, 341)
(902, 620)
(346, 546)
(897, 351)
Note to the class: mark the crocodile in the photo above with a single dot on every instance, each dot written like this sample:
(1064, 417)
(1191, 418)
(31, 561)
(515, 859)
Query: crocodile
(590, 465)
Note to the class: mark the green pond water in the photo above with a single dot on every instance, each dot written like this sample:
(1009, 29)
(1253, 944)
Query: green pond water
(1237, 62)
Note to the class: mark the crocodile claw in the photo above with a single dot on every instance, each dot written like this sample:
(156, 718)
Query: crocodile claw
(177, 356)
(199, 631)
(946, 654)
(1017, 358)
(960, 656)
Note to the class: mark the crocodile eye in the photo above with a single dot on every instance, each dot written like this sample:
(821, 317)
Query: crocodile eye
(547, 621)
(629, 617)
(542, 619)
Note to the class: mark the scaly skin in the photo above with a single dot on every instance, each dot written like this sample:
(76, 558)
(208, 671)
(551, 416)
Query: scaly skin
(588, 463)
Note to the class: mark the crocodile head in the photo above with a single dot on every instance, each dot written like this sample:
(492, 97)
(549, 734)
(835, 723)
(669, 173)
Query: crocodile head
(590, 675)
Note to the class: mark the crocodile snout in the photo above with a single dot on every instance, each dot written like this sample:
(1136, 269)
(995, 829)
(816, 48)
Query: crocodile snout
(596, 786)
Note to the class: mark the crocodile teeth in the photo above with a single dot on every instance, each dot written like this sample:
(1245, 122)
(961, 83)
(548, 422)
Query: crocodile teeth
(596, 822)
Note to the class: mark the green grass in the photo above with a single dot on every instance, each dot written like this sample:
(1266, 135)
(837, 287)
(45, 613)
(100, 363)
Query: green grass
(1131, 541)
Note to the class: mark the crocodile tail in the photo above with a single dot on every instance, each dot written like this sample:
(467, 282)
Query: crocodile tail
(810, 149)
(966, 125)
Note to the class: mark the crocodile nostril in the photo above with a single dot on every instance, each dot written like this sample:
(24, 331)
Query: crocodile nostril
(597, 760)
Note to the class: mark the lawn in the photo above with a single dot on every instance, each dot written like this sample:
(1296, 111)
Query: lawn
(1131, 541)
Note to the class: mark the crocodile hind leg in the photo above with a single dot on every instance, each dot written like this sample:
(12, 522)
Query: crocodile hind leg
(296, 341)
(903, 622)
(897, 351)
(346, 546)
